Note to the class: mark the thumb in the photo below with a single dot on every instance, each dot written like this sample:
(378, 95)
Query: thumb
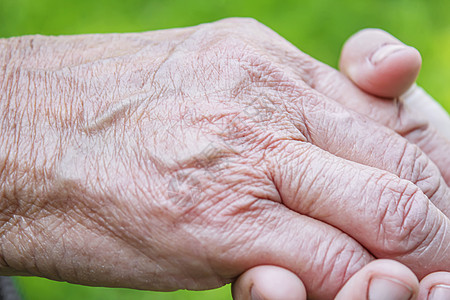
(270, 283)
(381, 279)
(379, 63)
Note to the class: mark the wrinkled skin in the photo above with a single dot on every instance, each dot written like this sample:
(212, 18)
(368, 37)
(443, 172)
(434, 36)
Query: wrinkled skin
(389, 77)
(181, 158)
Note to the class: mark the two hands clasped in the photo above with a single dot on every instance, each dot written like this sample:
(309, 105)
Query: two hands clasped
(191, 158)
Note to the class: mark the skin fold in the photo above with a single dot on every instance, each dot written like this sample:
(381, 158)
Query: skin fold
(401, 67)
(181, 158)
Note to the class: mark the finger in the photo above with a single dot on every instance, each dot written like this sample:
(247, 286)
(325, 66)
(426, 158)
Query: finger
(356, 62)
(389, 216)
(321, 255)
(380, 64)
(381, 279)
(351, 136)
(433, 139)
(435, 286)
(344, 133)
(269, 283)
(388, 78)
(336, 86)
(417, 100)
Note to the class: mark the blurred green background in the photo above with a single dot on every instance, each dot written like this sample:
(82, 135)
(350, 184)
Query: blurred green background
(318, 27)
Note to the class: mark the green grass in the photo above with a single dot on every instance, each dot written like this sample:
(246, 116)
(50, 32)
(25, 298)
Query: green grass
(318, 27)
(33, 288)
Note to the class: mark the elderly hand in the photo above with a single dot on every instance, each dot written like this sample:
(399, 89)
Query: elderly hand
(181, 158)
(390, 78)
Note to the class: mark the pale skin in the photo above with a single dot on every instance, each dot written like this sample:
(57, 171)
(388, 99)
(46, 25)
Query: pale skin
(392, 78)
(182, 158)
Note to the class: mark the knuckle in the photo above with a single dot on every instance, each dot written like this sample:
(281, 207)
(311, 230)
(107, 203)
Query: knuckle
(410, 162)
(234, 27)
(416, 167)
(338, 259)
(402, 219)
(244, 32)
(239, 21)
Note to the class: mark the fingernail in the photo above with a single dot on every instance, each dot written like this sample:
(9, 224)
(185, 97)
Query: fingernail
(385, 51)
(255, 295)
(440, 292)
(382, 288)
